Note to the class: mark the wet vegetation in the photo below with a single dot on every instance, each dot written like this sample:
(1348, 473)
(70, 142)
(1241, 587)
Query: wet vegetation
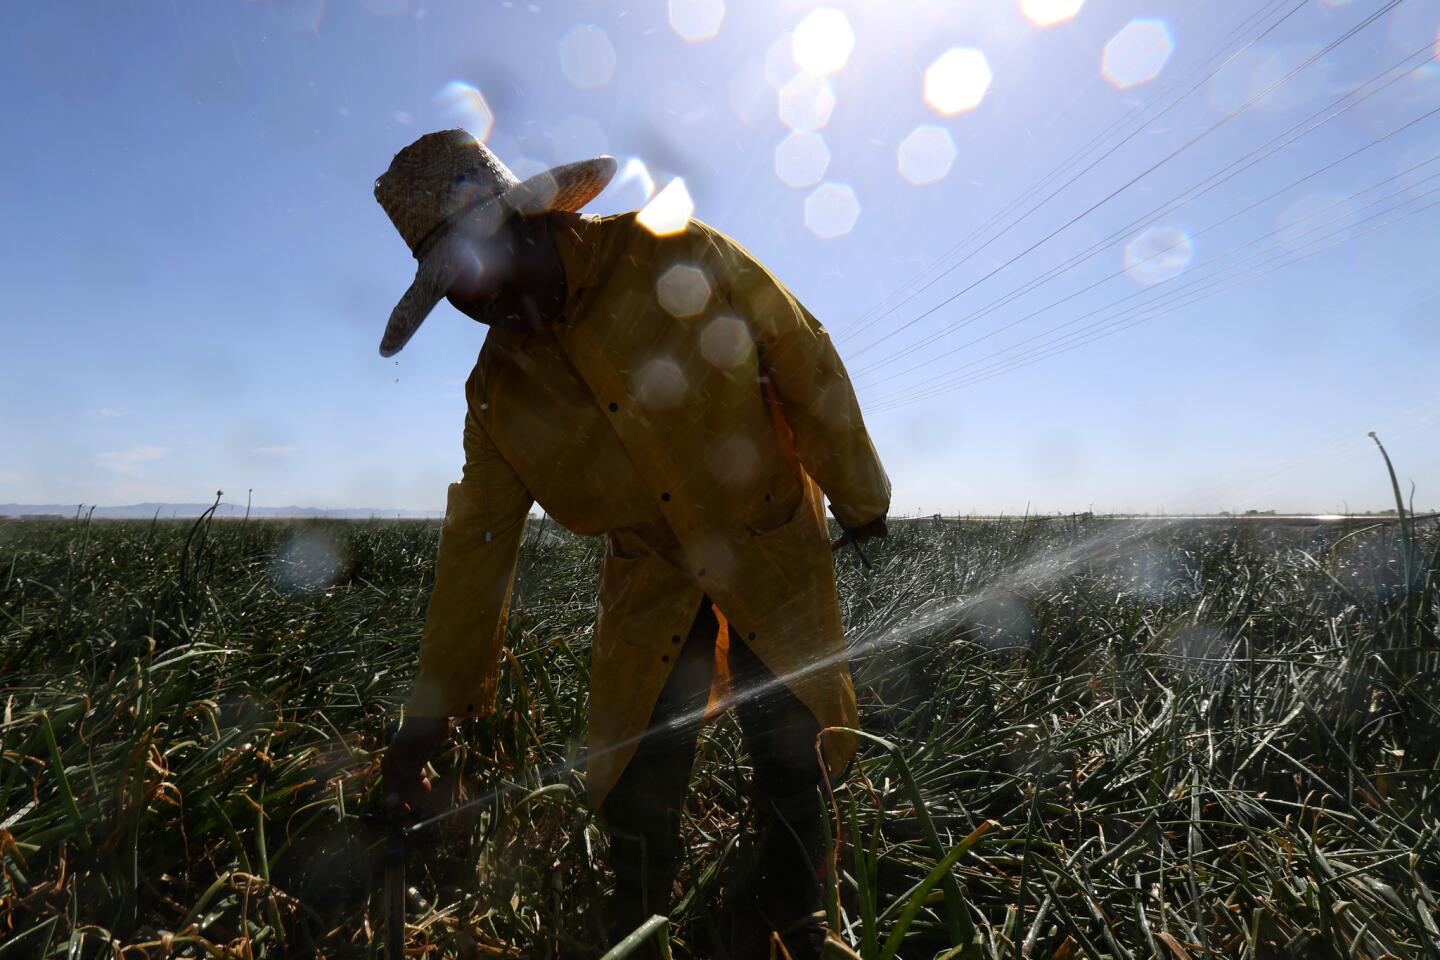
(1082, 738)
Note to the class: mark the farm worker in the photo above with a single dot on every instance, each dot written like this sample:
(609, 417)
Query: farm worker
(654, 385)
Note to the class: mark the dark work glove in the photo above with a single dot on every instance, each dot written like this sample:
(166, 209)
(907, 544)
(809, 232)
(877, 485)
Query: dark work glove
(858, 535)
(875, 528)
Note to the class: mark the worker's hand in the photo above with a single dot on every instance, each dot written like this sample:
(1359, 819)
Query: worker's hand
(402, 771)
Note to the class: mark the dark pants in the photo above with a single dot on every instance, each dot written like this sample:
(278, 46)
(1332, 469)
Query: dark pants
(779, 887)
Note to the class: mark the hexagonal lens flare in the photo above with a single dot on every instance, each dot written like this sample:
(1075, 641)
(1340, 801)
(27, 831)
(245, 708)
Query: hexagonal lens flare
(806, 102)
(926, 154)
(660, 384)
(831, 210)
(1137, 53)
(587, 57)
(726, 342)
(801, 159)
(683, 290)
(822, 42)
(957, 81)
(696, 20)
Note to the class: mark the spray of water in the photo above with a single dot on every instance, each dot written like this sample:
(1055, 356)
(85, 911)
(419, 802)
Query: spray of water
(1035, 572)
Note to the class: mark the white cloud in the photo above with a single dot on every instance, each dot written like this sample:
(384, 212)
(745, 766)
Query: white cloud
(128, 461)
(8, 476)
(110, 412)
(284, 450)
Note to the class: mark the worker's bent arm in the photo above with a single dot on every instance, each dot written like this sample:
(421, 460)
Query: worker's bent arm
(474, 572)
(815, 391)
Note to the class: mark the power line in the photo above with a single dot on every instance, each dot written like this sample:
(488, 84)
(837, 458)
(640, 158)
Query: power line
(1136, 322)
(1225, 174)
(864, 320)
(1174, 203)
(942, 377)
(1210, 284)
(1389, 5)
(1088, 254)
(1119, 322)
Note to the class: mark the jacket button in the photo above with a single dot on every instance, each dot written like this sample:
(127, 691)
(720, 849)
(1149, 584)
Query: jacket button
(665, 658)
(700, 572)
(750, 637)
(675, 639)
(469, 708)
(767, 498)
(614, 407)
(665, 495)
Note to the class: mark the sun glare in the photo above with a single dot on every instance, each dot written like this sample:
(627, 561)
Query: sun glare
(1047, 13)
(668, 211)
(957, 81)
(822, 42)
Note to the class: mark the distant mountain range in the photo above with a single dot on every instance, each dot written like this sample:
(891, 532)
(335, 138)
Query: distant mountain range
(145, 511)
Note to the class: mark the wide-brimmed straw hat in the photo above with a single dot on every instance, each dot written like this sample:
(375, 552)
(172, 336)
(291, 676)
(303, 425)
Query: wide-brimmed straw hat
(448, 177)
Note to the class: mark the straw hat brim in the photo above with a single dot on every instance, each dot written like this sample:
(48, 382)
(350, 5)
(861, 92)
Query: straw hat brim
(565, 188)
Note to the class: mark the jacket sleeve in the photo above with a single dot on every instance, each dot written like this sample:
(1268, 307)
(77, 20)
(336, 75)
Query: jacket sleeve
(815, 392)
(485, 517)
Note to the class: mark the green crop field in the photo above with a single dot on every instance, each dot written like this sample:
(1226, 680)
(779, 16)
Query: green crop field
(1084, 738)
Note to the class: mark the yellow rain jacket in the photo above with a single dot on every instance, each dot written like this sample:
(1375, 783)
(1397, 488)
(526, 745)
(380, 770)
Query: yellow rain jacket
(686, 406)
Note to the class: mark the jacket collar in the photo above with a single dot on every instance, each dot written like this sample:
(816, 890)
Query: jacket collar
(578, 239)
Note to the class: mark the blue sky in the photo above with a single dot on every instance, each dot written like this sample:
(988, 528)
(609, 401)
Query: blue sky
(197, 274)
